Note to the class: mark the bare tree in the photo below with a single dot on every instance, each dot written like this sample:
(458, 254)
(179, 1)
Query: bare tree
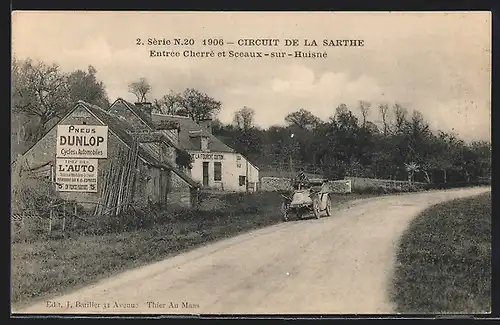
(364, 107)
(243, 118)
(400, 114)
(384, 110)
(39, 90)
(140, 89)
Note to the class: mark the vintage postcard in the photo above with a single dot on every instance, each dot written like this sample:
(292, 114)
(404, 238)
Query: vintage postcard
(286, 163)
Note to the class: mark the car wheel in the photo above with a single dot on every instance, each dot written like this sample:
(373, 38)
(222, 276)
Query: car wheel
(328, 206)
(284, 211)
(316, 205)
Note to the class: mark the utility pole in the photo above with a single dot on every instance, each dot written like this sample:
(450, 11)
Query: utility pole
(290, 157)
(246, 177)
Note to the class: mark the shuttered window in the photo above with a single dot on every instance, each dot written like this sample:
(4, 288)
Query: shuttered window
(217, 171)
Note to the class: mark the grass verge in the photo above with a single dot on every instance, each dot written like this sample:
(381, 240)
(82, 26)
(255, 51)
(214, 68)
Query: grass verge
(45, 267)
(444, 259)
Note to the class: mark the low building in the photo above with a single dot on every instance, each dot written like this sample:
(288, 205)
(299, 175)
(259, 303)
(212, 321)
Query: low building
(215, 164)
(109, 159)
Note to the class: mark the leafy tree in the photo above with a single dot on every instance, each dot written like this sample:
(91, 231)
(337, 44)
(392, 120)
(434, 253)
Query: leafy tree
(140, 89)
(443, 152)
(169, 104)
(217, 126)
(342, 146)
(404, 148)
(243, 118)
(346, 130)
(482, 149)
(39, 90)
(83, 85)
(383, 159)
(303, 119)
(41, 94)
(192, 103)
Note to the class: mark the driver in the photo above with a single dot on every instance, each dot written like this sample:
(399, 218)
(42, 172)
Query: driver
(302, 179)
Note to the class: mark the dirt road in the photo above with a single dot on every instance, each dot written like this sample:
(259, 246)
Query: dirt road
(338, 264)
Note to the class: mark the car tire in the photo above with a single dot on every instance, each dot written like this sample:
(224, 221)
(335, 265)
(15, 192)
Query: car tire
(328, 208)
(316, 205)
(285, 212)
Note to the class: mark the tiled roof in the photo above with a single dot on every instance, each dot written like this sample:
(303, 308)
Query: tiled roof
(139, 112)
(143, 117)
(121, 128)
(186, 140)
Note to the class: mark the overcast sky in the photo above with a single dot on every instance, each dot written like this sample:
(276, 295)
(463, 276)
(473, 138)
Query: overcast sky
(437, 63)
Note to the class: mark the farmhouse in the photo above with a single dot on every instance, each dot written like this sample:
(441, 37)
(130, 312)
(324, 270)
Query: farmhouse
(215, 164)
(107, 159)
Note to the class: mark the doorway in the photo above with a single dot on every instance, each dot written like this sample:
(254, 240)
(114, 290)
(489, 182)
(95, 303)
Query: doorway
(205, 173)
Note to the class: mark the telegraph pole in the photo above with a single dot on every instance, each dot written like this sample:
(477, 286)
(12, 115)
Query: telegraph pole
(290, 157)
(246, 178)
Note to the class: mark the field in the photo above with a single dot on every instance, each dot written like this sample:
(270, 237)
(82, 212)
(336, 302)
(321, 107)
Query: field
(42, 266)
(444, 259)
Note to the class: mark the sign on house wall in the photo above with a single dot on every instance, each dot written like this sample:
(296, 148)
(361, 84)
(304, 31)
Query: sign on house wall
(82, 141)
(207, 156)
(76, 175)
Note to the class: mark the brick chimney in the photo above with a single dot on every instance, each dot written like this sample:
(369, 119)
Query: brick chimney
(146, 108)
(206, 124)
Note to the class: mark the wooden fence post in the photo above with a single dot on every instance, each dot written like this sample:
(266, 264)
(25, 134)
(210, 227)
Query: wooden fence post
(73, 221)
(50, 221)
(64, 220)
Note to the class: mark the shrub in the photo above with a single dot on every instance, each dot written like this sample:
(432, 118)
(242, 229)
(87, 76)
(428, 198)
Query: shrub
(31, 195)
(32, 198)
(226, 206)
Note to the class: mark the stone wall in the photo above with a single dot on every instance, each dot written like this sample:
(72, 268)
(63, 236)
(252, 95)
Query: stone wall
(275, 184)
(180, 193)
(347, 185)
(340, 186)
(361, 183)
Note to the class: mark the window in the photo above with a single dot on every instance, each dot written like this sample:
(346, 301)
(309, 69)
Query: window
(217, 171)
(242, 180)
(204, 144)
(238, 165)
